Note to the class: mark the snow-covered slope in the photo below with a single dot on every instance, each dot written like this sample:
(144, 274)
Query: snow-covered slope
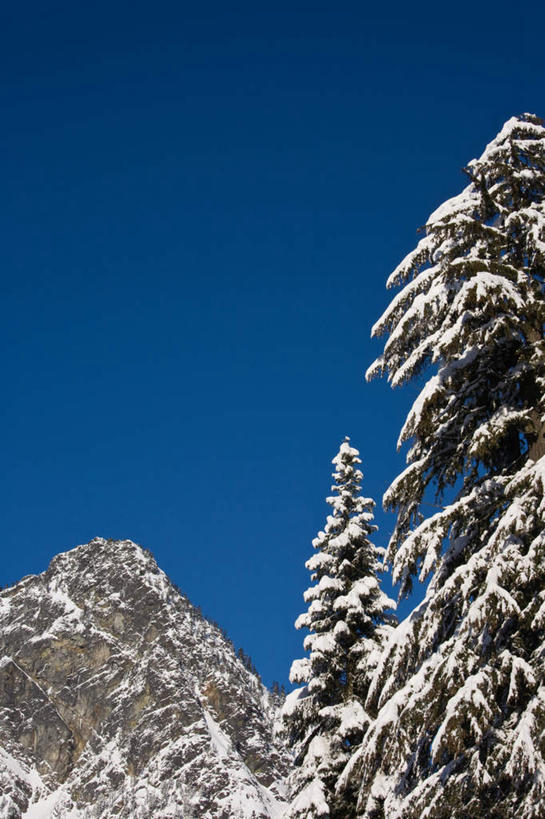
(118, 699)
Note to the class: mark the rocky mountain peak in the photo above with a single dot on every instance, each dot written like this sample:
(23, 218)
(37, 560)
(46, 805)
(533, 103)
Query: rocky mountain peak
(117, 698)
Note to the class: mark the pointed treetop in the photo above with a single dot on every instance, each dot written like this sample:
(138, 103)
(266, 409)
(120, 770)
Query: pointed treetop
(346, 454)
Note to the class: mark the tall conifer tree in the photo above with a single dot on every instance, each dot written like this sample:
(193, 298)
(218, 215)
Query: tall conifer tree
(460, 688)
(347, 620)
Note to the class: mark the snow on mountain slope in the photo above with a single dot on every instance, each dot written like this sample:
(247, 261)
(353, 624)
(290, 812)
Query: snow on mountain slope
(118, 699)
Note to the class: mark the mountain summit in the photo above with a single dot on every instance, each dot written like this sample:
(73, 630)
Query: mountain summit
(117, 698)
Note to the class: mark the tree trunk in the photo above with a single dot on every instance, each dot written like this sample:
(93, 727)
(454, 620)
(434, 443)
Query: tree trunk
(537, 447)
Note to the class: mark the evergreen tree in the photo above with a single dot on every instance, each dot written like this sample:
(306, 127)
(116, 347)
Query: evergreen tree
(460, 688)
(278, 693)
(347, 621)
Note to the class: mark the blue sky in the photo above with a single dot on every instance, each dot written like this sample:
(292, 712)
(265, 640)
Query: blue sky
(200, 207)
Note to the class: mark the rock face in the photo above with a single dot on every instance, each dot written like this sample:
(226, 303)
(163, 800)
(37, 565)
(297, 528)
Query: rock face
(117, 698)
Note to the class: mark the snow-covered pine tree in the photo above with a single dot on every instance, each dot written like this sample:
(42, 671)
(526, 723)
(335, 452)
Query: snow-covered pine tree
(460, 687)
(348, 620)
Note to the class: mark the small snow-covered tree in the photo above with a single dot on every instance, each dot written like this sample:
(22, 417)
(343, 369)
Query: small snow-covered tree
(347, 619)
(460, 689)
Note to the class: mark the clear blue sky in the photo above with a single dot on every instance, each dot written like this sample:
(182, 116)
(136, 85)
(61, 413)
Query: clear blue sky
(200, 207)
